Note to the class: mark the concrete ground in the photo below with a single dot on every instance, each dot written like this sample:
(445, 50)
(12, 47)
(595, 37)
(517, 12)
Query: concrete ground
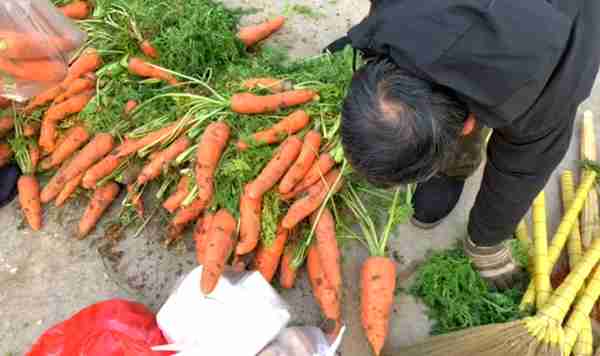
(47, 276)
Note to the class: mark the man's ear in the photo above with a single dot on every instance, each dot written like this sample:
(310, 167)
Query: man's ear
(469, 126)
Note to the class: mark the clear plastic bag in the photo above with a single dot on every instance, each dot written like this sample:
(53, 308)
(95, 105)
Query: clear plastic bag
(301, 341)
(36, 44)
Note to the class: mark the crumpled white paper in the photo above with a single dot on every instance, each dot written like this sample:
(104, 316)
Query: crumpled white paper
(240, 317)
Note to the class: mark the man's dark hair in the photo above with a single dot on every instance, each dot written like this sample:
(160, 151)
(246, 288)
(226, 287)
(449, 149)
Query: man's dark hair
(398, 128)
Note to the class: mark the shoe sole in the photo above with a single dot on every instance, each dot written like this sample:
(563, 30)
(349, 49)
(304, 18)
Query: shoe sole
(425, 226)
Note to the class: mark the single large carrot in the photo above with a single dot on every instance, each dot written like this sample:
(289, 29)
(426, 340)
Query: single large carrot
(250, 212)
(377, 282)
(310, 150)
(77, 10)
(34, 156)
(251, 35)
(247, 103)
(72, 105)
(327, 247)
(323, 290)
(287, 270)
(6, 125)
(155, 167)
(45, 97)
(131, 146)
(74, 138)
(276, 168)
(101, 200)
(289, 125)
(184, 216)
(320, 168)
(203, 226)
(220, 241)
(88, 62)
(274, 85)
(98, 171)
(174, 201)
(5, 154)
(68, 190)
(317, 194)
(39, 70)
(267, 258)
(78, 86)
(141, 68)
(97, 148)
(149, 50)
(211, 147)
(29, 198)
(47, 139)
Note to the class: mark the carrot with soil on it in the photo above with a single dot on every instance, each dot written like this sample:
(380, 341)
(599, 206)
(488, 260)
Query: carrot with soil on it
(72, 105)
(159, 136)
(97, 148)
(101, 199)
(316, 196)
(77, 10)
(43, 98)
(287, 270)
(248, 103)
(250, 213)
(136, 199)
(102, 169)
(184, 216)
(250, 35)
(39, 70)
(68, 190)
(182, 190)
(34, 156)
(310, 150)
(130, 106)
(324, 292)
(6, 154)
(284, 157)
(219, 245)
(88, 62)
(78, 86)
(289, 125)
(211, 147)
(273, 85)
(73, 139)
(320, 168)
(267, 258)
(31, 129)
(327, 247)
(203, 226)
(149, 50)
(141, 68)
(155, 167)
(29, 198)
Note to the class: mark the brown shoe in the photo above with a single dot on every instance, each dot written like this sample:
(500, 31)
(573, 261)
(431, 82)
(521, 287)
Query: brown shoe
(495, 264)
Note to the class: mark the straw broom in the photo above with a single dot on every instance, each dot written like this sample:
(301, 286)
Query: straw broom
(588, 152)
(583, 346)
(563, 231)
(522, 235)
(541, 275)
(541, 335)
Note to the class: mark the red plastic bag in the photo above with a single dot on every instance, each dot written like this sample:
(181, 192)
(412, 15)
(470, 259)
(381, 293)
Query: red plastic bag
(111, 328)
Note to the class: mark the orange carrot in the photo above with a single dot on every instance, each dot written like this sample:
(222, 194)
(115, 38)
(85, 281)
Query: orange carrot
(34, 156)
(287, 271)
(136, 200)
(327, 248)
(5, 154)
(184, 216)
(101, 200)
(201, 236)
(378, 282)
(316, 196)
(131, 146)
(98, 171)
(250, 212)
(77, 10)
(324, 165)
(47, 139)
(130, 106)
(251, 35)
(272, 84)
(97, 148)
(324, 292)
(267, 258)
(69, 188)
(144, 69)
(289, 125)
(211, 147)
(6, 125)
(72, 105)
(247, 103)
(43, 98)
(158, 163)
(73, 139)
(31, 129)
(148, 49)
(181, 192)
(39, 70)
(32, 45)
(220, 240)
(4, 103)
(78, 86)
(29, 198)
(88, 62)
(276, 168)
(310, 150)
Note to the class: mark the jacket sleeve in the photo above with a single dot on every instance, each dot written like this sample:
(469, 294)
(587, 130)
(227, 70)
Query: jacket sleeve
(517, 169)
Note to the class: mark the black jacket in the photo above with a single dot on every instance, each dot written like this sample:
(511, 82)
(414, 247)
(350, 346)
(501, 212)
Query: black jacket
(522, 67)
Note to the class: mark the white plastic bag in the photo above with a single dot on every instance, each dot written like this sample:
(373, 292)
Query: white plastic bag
(36, 43)
(302, 341)
(240, 317)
